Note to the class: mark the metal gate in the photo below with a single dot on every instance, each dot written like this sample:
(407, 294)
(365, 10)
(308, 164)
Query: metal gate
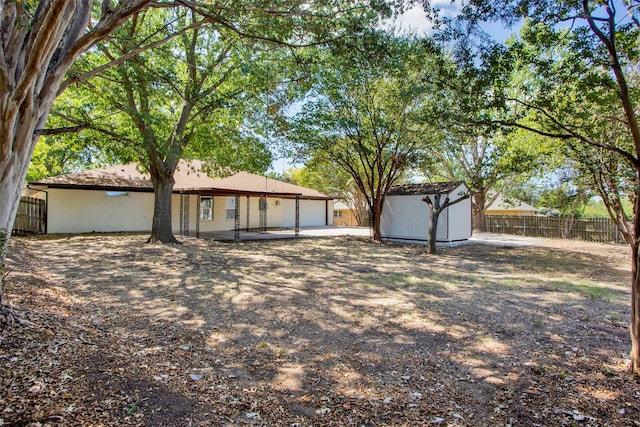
(31, 217)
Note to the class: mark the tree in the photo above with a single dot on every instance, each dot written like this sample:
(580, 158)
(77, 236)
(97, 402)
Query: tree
(40, 41)
(56, 156)
(436, 207)
(487, 163)
(580, 60)
(487, 158)
(195, 95)
(330, 178)
(188, 98)
(366, 114)
(559, 191)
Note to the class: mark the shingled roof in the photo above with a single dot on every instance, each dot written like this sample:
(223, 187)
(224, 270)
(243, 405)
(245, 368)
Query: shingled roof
(106, 177)
(189, 177)
(424, 189)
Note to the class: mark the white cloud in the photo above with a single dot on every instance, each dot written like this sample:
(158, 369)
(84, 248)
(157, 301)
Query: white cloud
(447, 8)
(415, 20)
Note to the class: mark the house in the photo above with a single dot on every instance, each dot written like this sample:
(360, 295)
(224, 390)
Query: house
(120, 198)
(514, 207)
(405, 216)
(344, 215)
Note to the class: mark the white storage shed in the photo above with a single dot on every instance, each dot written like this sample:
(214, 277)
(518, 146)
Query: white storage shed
(405, 215)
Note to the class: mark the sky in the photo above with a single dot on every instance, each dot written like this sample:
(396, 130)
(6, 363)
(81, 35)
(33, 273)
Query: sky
(415, 21)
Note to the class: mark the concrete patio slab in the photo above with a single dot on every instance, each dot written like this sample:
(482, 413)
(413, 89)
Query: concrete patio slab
(491, 239)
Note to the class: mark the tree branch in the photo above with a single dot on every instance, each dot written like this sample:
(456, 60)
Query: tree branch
(58, 131)
(125, 57)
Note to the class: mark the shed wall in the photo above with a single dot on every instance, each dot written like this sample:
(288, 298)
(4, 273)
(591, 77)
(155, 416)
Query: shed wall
(459, 216)
(406, 218)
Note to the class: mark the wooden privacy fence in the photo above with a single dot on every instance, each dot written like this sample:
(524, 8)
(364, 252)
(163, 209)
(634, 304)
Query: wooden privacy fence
(31, 217)
(592, 229)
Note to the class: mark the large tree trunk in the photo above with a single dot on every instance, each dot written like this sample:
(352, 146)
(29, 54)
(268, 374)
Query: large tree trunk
(479, 217)
(433, 231)
(377, 214)
(161, 230)
(39, 44)
(634, 327)
(635, 310)
(13, 171)
(17, 142)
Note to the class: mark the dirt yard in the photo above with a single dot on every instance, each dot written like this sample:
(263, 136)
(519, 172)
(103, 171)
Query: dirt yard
(332, 331)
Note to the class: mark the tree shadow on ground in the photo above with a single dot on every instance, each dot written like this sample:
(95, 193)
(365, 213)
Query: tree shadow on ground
(344, 332)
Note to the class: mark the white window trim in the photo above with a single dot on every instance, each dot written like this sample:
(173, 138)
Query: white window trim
(228, 209)
(203, 198)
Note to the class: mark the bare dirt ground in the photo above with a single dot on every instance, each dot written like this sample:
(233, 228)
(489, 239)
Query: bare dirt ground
(332, 331)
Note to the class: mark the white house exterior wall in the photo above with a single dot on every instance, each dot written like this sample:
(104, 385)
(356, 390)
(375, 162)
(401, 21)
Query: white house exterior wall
(254, 212)
(85, 211)
(313, 213)
(274, 213)
(289, 213)
(220, 223)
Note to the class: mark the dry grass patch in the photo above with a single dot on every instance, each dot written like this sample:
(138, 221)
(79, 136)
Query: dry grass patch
(316, 332)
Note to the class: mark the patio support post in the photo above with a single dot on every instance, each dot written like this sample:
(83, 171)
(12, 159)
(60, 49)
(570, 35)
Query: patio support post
(326, 212)
(198, 216)
(263, 214)
(184, 214)
(297, 233)
(248, 211)
(181, 214)
(236, 230)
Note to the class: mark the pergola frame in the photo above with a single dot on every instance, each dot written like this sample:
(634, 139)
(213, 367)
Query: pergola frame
(184, 207)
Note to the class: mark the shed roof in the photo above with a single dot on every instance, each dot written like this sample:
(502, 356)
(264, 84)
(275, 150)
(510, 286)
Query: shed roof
(189, 177)
(424, 189)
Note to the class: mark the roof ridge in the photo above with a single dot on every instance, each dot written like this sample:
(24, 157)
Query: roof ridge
(442, 187)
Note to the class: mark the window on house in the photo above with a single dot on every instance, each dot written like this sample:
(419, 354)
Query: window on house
(337, 214)
(231, 208)
(206, 208)
(117, 193)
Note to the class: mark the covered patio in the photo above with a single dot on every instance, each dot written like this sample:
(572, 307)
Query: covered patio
(269, 234)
